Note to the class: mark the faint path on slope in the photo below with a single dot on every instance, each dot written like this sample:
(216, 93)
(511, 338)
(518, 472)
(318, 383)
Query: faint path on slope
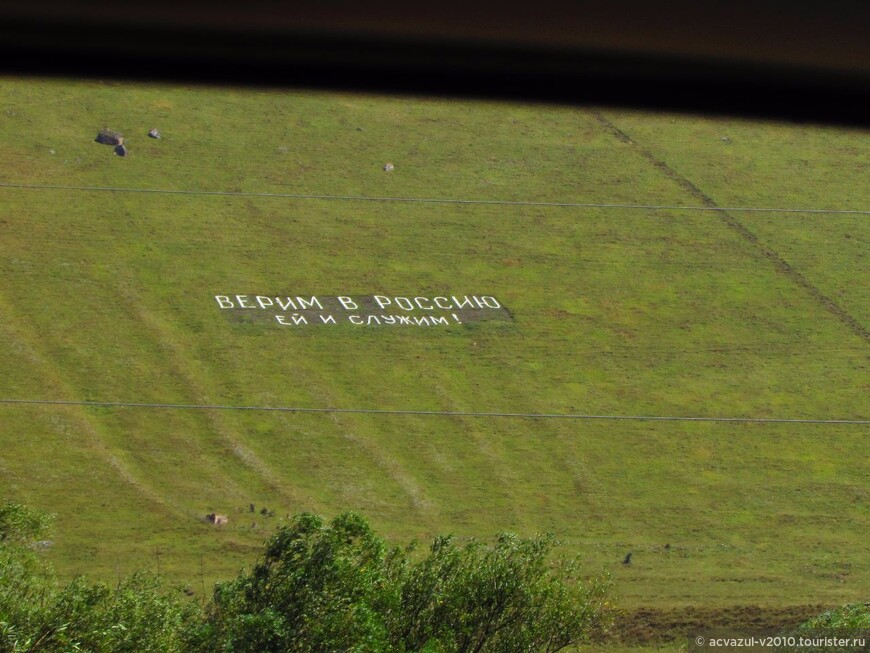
(177, 358)
(779, 263)
(15, 334)
(490, 446)
(387, 462)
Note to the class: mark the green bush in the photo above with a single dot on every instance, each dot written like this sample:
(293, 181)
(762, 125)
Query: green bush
(317, 587)
(337, 586)
(846, 622)
(36, 614)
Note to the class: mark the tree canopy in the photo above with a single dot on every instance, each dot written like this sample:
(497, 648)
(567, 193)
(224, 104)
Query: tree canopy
(337, 585)
(318, 586)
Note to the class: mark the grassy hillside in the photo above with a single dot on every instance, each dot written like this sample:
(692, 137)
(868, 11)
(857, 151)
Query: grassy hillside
(109, 297)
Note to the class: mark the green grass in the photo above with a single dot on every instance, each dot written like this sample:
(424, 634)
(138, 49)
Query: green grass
(109, 297)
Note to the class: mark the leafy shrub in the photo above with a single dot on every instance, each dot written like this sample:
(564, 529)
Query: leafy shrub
(38, 615)
(846, 622)
(337, 586)
(317, 587)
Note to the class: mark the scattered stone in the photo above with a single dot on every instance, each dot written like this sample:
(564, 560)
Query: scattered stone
(216, 519)
(107, 136)
(389, 167)
(52, 152)
(121, 150)
(264, 511)
(725, 139)
(359, 129)
(153, 133)
(251, 507)
(627, 560)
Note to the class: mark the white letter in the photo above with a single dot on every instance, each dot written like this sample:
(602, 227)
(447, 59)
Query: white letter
(309, 304)
(241, 299)
(264, 301)
(327, 319)
(409, 307)
(382, 301)
(223, 301)
(348, 303)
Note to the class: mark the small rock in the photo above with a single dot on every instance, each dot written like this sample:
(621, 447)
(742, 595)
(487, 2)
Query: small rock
(108, 136)
(121, 150)
(153, 133)
(389, 167)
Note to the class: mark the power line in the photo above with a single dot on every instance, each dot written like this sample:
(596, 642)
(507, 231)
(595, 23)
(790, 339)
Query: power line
(432, 413)
(434, 200)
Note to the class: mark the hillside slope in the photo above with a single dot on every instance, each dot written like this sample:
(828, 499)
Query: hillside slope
(108, 295)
